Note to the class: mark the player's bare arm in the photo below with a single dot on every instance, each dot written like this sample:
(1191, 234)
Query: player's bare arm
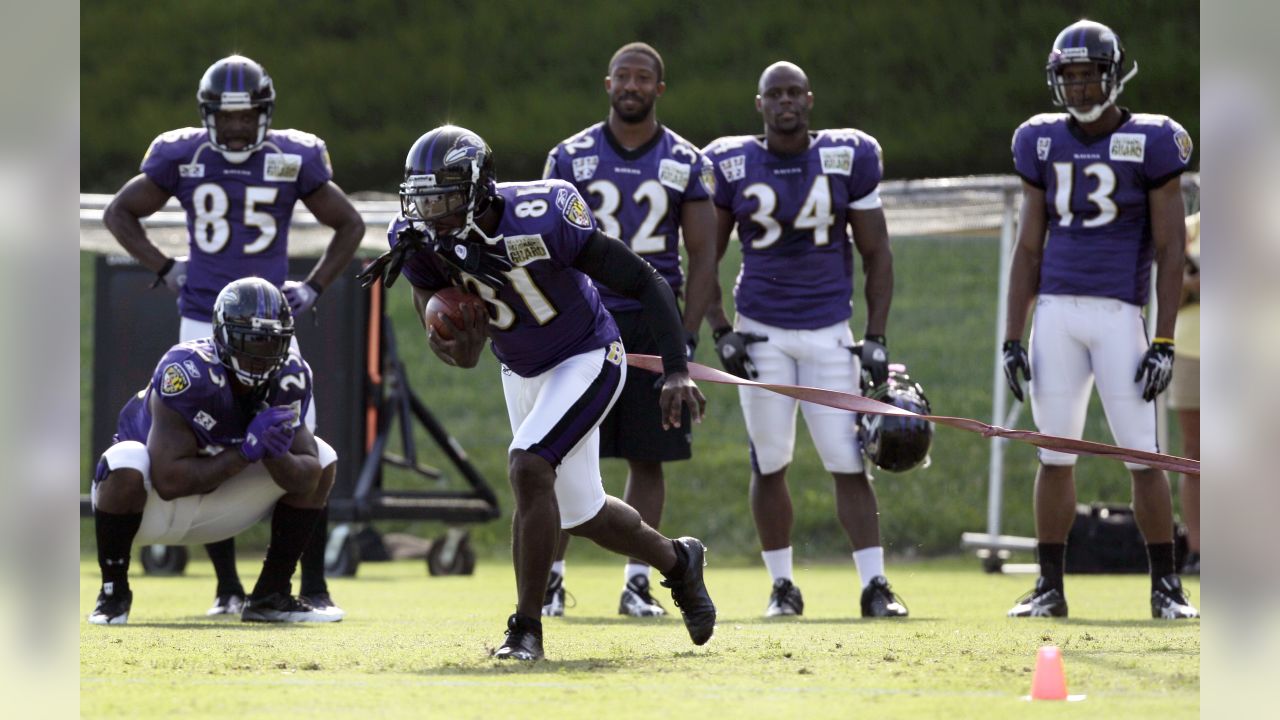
(716, 316)
(699, 226)
(871, 238)
(611, 263)
(1024, 272)
(332, 208)
(297, 471)
(139, 198)
(1169, 240)
(177, 468)
(468, 341)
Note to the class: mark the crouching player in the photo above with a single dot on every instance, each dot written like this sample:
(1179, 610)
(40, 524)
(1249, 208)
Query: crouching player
(212, 445)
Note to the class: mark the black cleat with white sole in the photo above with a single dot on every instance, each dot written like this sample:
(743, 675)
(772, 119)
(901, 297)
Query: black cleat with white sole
(1169, 601)
(1041, 601)
(524, 640)
(282, 608)
(689, 591)
(879, 600)
(112, 607)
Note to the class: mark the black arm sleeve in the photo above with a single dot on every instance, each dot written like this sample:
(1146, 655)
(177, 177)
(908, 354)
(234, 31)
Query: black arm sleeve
(613, 264)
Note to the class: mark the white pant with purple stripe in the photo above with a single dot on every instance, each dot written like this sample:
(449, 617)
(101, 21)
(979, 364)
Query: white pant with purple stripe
(557, 416)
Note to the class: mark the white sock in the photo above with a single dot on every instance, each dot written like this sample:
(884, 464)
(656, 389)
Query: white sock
(778, 562)
(870, 563)
(557, 567)
(634, 569)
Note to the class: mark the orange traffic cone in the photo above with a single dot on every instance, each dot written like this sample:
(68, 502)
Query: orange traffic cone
(1049, 682)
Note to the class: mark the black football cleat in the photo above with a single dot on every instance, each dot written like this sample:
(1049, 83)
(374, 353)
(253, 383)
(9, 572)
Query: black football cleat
(1169, 602)
(281, 608)
(553, 600)
(112, 607)
(637, 601)
(323, 603)
(524, 640)
(1041, 601)
(689, 591)
(784, 600)
(879, 600)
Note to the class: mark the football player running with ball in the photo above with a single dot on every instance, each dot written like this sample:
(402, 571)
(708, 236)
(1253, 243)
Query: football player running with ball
(238, 180)
(1101, 199)
(532, 251)
(647, 186)
(794, 194)
(212, 445)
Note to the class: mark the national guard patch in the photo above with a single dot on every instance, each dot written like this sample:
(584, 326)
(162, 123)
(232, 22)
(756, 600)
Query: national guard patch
(205, 420)
(836, 160)
(576, 212)
(1042, 148)
(282, 167)
(1128, 147)
(1183, 140)
(191, 170)
(674, 175)
(174, 381)
(734, 168)
(524, 249)
(709, 179)
(584, 168)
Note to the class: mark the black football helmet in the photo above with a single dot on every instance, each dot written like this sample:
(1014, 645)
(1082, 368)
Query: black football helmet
(236, 83)
(252, 329)
(892, 442)
(1088, 42)
(449, 171)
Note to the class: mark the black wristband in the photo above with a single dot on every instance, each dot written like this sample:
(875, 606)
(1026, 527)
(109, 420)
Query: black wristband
(315, 286)
(165, 268)
(720, 332)
(876, 339)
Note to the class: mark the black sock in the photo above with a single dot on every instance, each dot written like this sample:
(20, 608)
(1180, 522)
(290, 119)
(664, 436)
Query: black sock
(1052, 557)
(290, 530)
(1160, 555)
(223, 556)
(682, 563)
(115, 533)
(312, 562)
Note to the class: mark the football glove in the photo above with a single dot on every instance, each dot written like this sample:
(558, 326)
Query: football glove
(731, 346)
(270, 434)
(409, 239)
(874, 354)
(301, 296)
(1014, 359)
(173, 274)
(1156, 369)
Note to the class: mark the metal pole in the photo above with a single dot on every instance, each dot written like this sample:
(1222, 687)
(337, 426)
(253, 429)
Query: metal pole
(995, 474)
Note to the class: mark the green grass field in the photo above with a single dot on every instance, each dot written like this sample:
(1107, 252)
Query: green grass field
(414, 646)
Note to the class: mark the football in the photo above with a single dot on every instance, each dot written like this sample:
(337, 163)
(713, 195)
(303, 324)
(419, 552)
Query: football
(449, 301)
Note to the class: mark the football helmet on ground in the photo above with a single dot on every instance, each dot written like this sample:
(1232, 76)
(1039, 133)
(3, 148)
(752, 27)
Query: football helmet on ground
(892, 442)
(236, 83)
(252, 329)
(1086, 41)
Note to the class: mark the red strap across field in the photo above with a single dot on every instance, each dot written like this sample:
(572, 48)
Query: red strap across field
(857, 403)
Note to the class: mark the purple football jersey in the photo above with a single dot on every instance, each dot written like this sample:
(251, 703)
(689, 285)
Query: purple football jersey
(1095, 189)
(238, 214)
(547, 312)
(635, 195)
(192, 381)
(792, 213)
